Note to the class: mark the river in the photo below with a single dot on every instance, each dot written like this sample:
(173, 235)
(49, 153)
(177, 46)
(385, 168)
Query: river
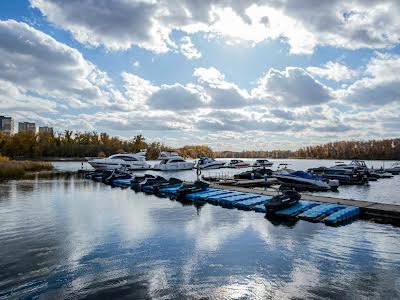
(71, 238)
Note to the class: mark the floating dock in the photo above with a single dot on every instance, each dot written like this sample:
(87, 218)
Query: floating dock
(313, 208)
(379, 212)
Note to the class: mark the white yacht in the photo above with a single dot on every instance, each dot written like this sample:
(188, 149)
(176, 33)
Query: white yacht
(171, 161)
(207, 163)
(128, 161)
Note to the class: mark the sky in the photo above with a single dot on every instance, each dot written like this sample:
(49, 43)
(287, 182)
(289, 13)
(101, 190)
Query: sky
(234, 75)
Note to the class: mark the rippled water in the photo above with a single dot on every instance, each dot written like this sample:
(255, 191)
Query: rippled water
(74, 238)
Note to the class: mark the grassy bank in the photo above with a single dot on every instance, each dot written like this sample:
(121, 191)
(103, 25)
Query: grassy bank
(12, 169)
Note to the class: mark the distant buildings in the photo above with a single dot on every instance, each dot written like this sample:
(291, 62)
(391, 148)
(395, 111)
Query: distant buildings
(26, 127)
(6, 125)
(46, 130)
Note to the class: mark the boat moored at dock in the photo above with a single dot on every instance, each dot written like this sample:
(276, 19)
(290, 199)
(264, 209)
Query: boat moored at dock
(307, 181)
(128, 161)
(263, 163)
(171, 161)
(237, 163)
(208, 163)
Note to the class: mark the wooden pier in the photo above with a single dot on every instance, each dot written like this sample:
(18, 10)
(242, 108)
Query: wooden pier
(379, 212)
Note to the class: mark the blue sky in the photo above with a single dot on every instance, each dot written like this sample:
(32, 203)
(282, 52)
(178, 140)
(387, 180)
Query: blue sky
(230, 74)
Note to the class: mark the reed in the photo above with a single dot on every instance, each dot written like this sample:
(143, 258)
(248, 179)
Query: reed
(13, 169)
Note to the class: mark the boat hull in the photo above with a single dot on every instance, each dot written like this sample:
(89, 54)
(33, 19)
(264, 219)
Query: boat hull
(103, 166)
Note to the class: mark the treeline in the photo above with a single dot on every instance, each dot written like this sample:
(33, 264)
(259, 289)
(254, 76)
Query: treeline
(374, 149)
(388, 149)
(71, 144)
(92, 144)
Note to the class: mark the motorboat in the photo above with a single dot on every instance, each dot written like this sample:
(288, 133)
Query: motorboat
(394, 169)
(116, 174)
(189, 188)
(258, 173)
(237, 163)
(346, 176)
(263, 163)
(148, 181)
(127, 161)
(171, 161)
(305, 180)
(282, 200)
(208, 163)
(283, 169)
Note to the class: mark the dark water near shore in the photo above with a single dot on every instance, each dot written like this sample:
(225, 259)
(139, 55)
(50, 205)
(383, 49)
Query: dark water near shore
(70, 238)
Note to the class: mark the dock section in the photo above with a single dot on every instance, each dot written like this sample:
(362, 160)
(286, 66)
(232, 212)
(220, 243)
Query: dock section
(379, 212)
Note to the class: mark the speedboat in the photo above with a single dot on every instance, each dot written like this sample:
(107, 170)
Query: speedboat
(258, 173)
(283, 169)
(281, 201)
(189, 188)
(127, 161)
(306, 180)
(237, 163)
(171, 161)
(394, 169)
(148, 181)
(263, 163)
(207, 163)
(346, 176)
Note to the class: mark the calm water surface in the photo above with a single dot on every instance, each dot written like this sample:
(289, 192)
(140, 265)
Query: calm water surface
(71, 238)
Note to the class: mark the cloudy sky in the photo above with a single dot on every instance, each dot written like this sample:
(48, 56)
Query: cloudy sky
(262, 74)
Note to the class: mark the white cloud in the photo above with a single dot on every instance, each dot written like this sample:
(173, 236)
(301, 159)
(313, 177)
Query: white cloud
(35, 62)
(333, 71)
(176, 97)
(293, 87)
(121, 24)
(380, 84)
(188, 49)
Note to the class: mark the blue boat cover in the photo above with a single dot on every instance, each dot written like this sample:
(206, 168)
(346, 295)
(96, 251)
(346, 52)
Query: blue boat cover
(321, 210)
(252, 202)
(342, 215)
(297, 208)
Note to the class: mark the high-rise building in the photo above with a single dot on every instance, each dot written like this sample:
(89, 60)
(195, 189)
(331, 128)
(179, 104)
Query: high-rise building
(46, 130)
(26, 127)
(6, 125)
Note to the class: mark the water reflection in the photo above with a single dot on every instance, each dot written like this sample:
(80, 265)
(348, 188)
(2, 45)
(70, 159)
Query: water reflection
(73, 238)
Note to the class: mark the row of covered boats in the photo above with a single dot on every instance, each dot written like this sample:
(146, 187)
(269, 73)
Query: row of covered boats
(177, 189)
(169, 161)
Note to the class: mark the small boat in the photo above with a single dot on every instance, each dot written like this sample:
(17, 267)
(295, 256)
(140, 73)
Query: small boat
(127, 161)
(354, 173)
(283, 169)
(171, 161)
(258, 173)
(237, 163)
(308, 181)
(378, 174)
(208, 163)
(172, 182)
(189, 188)
(138, 181)
(115, 175)
(283, 200)
(394, 169)
(263, 163)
